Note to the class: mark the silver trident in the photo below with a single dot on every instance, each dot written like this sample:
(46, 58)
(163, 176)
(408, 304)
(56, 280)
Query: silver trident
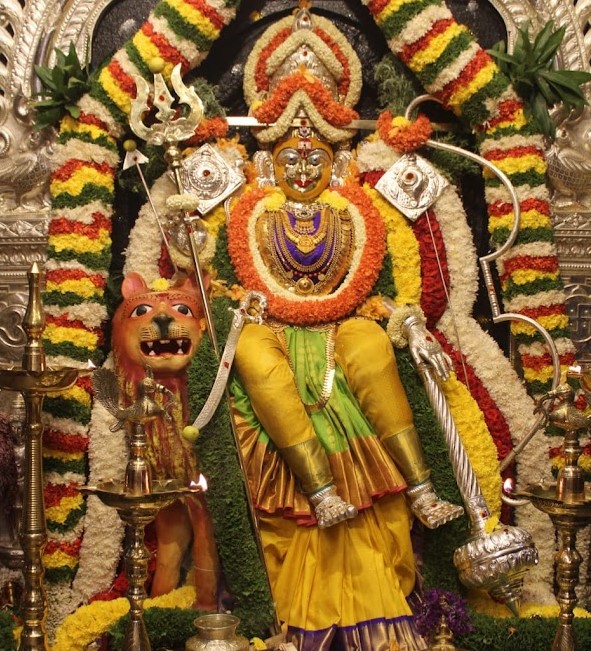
(168, 130)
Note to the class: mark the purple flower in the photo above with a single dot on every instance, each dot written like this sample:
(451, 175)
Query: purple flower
(439, 603)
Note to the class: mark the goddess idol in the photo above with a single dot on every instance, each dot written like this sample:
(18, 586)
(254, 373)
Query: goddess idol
(331, 451)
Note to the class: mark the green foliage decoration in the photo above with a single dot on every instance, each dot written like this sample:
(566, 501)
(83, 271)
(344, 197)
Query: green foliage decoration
(221, 260)
(531, 69)
(396, 87)
(167, 628)
(63, 85)
(7, 626)
(439, 545)
(129, 179)
(208, 94)
(226, 496)
(519, 634)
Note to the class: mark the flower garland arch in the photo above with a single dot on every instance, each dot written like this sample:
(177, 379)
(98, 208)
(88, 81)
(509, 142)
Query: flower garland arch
(449, 63)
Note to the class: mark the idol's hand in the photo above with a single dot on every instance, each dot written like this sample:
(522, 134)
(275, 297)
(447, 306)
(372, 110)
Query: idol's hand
(330, 508)
(425, 348)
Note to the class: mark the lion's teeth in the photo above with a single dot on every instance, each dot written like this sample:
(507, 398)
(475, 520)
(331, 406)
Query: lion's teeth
(150, 344)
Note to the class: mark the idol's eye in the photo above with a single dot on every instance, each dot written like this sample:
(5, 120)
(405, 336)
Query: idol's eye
(183, 309)
(318, 157)
(288, 157)
(140, 310)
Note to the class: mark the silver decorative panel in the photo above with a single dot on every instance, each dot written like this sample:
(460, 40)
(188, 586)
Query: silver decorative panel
(29, 33)
(573, 243)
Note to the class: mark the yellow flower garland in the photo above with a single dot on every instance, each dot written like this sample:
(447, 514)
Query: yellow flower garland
(403, 248)
(477, 442)
(89, 622)
(60, 512)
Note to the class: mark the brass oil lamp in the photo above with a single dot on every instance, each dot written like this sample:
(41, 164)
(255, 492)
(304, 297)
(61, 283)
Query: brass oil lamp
(34, 379)
(567, 503)
(138, 498)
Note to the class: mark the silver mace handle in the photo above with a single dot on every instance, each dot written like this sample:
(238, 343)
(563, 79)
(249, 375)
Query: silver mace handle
(485, 264)
(496, 561)
(462, 468)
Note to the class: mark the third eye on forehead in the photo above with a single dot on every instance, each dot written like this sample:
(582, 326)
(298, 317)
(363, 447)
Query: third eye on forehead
(293, 156)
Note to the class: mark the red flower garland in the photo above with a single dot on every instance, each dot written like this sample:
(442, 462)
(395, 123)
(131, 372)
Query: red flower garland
(63, 226)
(71, 443)
(433, 296)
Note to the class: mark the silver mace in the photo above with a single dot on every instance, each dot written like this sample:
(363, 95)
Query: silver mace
(496, 561)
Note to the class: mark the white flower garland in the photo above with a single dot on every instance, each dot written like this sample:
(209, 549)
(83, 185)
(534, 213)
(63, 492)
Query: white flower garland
(498, 377)
(418, 26)
(91, 106)
(251, 94)
(101, 546)
(375, 155)
(79, 149)
(92, 314)
(317, 45)
(145, 239)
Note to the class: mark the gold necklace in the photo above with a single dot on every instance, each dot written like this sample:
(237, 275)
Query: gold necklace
(302, 232)
(329, 372)
(317, 275)
(303, 212)
(278, 234)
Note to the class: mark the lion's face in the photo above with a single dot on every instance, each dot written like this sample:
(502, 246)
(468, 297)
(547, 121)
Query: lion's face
(161, 329)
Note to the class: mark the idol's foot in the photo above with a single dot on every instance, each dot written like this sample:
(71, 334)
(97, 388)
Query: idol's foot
(429, 508)
(330, 508)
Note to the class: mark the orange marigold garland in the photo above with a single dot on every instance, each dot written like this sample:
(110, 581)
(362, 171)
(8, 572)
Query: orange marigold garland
(315, 309)
(333, 112)
(401, 134)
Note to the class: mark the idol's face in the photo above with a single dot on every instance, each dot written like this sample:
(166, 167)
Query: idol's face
(303, 167)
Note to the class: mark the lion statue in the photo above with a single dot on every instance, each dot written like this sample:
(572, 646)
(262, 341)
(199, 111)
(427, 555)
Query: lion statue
(161, 327)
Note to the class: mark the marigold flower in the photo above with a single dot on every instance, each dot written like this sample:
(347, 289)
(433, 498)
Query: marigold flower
(403, 135)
